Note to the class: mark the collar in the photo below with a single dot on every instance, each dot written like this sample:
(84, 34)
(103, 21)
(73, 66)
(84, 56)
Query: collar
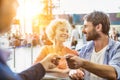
(90, 44)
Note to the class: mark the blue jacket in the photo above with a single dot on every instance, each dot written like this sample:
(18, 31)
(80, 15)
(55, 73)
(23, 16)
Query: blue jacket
(36, 72)
(112, 55)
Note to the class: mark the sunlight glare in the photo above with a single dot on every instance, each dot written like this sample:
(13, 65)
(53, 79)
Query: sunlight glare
(26, 11)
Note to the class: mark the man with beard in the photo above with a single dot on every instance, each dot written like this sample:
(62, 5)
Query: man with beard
(35, 72)
(100, 58)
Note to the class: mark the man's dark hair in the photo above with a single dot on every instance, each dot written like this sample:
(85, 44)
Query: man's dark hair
(98, 17)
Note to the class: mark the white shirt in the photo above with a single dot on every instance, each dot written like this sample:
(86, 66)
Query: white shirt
(97, 57)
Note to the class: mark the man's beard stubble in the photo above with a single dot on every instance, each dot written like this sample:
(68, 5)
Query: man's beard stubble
(93, 35)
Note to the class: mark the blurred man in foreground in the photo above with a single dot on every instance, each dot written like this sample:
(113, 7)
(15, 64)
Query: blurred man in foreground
(36, 72)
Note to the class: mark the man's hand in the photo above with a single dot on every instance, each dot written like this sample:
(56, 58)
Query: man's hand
(74, 62)
(49, 62)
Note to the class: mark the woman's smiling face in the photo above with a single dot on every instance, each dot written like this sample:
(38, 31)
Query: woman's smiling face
(61, 33)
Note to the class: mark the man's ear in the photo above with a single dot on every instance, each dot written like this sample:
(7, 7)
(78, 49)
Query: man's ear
(99, 27)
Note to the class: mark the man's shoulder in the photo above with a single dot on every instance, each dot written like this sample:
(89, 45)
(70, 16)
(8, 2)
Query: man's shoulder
(113, 43)
(88, 46)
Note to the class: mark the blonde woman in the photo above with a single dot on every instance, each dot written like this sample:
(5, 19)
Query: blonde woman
(58, 33)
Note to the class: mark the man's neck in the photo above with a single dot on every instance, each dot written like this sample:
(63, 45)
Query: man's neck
(101, 43)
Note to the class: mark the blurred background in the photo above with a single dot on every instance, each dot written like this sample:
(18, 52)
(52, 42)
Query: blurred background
(27, 31)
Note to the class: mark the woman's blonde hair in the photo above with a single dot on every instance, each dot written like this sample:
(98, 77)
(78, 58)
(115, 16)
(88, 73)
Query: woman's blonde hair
(51, 28)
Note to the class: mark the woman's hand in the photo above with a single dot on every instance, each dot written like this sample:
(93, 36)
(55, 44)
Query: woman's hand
(76, 74)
